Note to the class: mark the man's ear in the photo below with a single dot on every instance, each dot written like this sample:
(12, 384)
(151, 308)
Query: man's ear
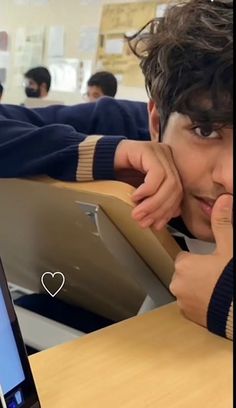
(154, 120)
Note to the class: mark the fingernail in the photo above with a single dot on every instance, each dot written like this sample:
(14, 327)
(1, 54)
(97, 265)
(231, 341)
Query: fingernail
(226, 201)
(139, 215)
(158, 226)
(146, 223)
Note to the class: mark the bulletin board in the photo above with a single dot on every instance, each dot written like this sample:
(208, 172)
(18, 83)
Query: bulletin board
(113, 52)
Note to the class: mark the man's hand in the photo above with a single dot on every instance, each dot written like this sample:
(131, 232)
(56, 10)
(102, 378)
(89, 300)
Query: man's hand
(196, 275)
(159, 196)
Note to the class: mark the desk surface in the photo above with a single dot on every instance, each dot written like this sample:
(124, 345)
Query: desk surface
(157, 360)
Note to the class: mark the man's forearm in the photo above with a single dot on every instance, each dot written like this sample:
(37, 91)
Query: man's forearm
(55, 150)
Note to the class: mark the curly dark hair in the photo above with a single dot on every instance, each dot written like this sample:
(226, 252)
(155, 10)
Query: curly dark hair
(187, 60)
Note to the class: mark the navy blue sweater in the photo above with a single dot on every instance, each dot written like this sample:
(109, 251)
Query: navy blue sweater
(46, 140)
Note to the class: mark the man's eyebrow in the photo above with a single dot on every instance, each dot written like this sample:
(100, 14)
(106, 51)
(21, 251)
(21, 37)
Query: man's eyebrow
(210, 116)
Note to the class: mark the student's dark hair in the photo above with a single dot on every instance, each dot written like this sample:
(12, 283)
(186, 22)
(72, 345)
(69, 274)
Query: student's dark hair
(1, 89)
(39, 75)
(187, 60)
(106, 81)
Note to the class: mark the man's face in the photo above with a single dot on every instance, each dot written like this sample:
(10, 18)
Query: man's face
(93, 93)
(204, 159)
(34, 90)
(31, 88)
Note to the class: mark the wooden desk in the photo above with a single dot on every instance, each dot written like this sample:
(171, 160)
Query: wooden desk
(158, 360)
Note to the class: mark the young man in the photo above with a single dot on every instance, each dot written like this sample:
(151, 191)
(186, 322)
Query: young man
(187, 64)
(37, 82)
(101, 83)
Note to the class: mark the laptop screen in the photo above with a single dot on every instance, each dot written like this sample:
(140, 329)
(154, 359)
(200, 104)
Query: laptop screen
(16, 381)
(13, 373)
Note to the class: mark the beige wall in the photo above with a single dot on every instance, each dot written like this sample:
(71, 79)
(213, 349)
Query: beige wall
(68, 13)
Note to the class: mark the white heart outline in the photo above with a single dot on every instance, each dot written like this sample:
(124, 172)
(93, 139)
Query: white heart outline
(52, 274)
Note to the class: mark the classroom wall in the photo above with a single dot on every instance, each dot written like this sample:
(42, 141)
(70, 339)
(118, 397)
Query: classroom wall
(71, 14)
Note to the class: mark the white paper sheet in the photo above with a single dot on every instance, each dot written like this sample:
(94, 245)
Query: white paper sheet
(88, 38)
(64, 72)
(114, 46)
(160, 10)
(28, 47)
(56, 41)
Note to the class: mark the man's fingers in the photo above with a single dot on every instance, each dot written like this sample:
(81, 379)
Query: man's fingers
(167, 198)
(152, 182)
(221, 223)
(157, 219)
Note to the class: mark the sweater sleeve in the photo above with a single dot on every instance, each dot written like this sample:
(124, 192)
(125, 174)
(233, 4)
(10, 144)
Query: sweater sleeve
(58, 151)
(107, 116)
(220, 310)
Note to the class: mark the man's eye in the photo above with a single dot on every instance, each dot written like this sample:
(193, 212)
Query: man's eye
(206, 133)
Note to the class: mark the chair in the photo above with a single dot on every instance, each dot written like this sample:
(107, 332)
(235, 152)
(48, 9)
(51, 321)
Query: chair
(84, 230)
(41, 102)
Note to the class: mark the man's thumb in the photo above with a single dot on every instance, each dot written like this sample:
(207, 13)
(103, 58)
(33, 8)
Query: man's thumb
(221, 223)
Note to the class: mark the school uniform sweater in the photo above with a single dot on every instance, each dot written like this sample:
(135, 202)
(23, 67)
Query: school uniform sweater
(53, 141)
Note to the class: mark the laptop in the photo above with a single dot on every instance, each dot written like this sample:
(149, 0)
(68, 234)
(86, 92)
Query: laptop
(17, 388)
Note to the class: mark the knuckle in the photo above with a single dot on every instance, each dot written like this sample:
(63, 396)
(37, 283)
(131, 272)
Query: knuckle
(166, 148)
(172, 287)
(221, 222)
(180, 258)
(180, 304)
(173, 183)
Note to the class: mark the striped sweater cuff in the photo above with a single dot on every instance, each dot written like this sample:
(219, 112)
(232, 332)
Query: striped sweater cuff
(96, 158)
(220, 309)
(103, 166)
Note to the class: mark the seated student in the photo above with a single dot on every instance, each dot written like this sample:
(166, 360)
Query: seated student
(1, 91)
(101, 83)
(188, 173)
(37, 82)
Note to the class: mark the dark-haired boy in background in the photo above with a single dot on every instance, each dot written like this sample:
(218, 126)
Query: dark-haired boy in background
(100, 84)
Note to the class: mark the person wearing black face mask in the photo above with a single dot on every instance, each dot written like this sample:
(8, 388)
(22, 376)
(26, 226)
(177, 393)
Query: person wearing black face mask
(37, 82)
(31, 92)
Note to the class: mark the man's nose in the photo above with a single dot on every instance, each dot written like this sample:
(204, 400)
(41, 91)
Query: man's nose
(223, 171)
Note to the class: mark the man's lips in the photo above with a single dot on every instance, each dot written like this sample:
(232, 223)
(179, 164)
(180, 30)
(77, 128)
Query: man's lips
(206, 204)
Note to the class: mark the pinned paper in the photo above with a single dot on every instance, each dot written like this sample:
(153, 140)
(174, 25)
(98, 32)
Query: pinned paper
(29, 47)
(64, 72)
(160, 10)
(114, 46)
(56, 41)
(88, 38)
